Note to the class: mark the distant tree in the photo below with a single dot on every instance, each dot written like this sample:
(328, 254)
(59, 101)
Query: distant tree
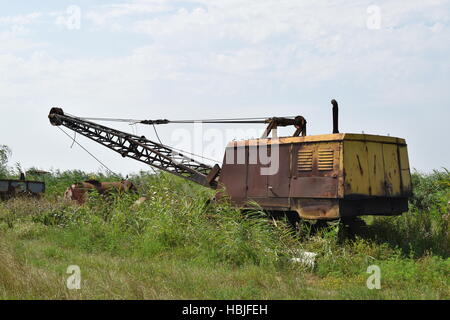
(5, 153)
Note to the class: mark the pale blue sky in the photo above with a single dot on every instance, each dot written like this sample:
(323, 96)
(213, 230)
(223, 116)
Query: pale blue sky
(223, 58)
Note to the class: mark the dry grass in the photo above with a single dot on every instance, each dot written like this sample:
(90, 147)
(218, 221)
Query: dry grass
(19, 280)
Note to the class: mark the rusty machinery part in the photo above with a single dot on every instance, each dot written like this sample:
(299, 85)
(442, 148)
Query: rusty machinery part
(139, 148)
(79, 191)
(298, 122)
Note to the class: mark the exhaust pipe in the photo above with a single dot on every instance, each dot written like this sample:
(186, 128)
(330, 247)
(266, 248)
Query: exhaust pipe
(335, 116)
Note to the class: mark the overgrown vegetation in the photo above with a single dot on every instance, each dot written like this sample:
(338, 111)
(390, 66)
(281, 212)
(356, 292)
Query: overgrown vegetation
(179, 245)
(4, 155)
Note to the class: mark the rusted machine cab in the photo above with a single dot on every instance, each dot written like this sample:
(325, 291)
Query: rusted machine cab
(320, 177)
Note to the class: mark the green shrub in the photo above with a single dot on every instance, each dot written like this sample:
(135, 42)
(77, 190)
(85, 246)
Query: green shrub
(431, 191)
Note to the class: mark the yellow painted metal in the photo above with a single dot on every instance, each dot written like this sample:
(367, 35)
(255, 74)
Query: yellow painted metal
(305, 160)
(356, 168)
(392, 170)
(344, 174)
(376, 167)
(319, 138)
(365, 165)
(405, 170)
(325, 159)
(341, 178)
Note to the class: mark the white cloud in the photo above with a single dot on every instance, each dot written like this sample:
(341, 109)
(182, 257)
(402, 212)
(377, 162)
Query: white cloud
(23, 19)
(108, 14)
(299, 40)
(15, 26)
(14, 32)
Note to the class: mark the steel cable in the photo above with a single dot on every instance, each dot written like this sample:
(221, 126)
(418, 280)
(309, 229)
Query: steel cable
(101, 163)
(165, 121)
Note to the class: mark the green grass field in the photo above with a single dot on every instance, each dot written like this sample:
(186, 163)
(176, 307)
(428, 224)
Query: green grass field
(176, 246)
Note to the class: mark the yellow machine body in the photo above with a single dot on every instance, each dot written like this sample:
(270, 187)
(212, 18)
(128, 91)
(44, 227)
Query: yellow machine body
(320, 177)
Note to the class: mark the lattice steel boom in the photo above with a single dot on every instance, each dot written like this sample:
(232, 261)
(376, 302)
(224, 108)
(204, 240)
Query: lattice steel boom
(139, 148)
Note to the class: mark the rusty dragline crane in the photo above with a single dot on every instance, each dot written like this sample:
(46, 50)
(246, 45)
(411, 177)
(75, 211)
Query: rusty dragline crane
(319, 177)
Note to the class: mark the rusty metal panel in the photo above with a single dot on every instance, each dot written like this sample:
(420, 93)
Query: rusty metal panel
(392, 170)
(340, 170)
(317, 170)
(325, 161)
(315, 176)
(376, 169)
(76, 193)
(295, 140)
(356, 169)
(276, 204)
(372, 138)
(279, 183)
(314, 187)
(256, 182)
(79, 191)
(327, 158)
(372, 168)
(233, 176)
(405, 171)
(317, 208)
(335, 208)
(305, 160)
(336, 137)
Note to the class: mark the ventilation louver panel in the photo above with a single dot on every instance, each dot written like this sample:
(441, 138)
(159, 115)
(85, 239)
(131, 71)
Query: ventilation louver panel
(326, 160)
(305, 160)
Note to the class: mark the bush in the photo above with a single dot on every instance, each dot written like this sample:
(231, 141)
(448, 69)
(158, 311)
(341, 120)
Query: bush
(425, 227)
(5, 152)
(431, 192)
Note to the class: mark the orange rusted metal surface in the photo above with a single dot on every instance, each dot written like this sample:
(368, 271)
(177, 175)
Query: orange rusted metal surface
(79, 192)
(321, 177)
